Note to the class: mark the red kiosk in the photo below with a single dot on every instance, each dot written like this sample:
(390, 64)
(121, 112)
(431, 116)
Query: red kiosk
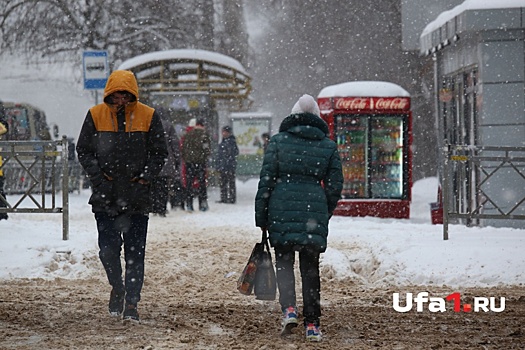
(371, 122)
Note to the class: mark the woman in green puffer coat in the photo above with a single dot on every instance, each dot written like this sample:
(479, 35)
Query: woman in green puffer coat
(300, 183)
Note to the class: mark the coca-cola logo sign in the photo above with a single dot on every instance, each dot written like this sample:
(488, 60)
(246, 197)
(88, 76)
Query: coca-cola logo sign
(372, 103)
(396, 103)
(352, 103)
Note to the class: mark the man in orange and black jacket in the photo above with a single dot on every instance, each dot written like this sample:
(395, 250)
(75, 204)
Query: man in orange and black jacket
(121, 147)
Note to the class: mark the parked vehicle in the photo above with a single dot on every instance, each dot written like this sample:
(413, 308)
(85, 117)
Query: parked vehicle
(23, 167)
(26, 122)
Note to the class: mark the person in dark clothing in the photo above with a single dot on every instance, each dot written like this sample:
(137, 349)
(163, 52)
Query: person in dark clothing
(177, 191)
(169, 176)
(121, 147)
(266, 140)
(300, 183)
(226, 165)
(4, 128)
(195, 153)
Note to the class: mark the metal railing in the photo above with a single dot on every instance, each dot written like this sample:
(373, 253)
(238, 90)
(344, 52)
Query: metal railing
(34, 170)
(476, 184)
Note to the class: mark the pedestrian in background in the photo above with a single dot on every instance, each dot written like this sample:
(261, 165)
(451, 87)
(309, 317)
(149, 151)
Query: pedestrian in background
(300, 183)
(195, 153)
(227, 165)
(266, 140)
(4, 128)
(122, 148)
(169, 176)
(179, 195)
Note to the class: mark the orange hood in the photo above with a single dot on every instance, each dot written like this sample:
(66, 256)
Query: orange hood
(122, 80)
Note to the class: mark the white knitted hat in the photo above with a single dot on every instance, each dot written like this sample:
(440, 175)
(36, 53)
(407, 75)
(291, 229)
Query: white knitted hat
(306, 104)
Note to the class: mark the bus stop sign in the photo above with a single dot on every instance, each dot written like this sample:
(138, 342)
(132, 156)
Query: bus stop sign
(96, 69)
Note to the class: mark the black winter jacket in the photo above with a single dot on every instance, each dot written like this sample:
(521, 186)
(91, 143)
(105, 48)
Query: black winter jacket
(227, 154)
(116, 148)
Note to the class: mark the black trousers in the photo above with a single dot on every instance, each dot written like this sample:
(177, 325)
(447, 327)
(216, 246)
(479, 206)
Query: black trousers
(176, 194)
(196, 170)
(2, 204)
(311, 282)
(159, 195)
(227, 185)
(113, 232)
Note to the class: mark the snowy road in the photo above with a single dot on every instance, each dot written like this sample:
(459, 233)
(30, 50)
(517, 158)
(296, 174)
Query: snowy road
(54, 293)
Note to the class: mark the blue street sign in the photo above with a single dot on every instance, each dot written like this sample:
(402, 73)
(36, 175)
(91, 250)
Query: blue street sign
(96, 69)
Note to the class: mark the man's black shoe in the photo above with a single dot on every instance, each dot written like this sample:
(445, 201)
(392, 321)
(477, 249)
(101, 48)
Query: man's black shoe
(116, 302)
(131, 313)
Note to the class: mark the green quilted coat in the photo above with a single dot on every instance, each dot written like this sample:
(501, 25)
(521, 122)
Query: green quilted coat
(300, 183)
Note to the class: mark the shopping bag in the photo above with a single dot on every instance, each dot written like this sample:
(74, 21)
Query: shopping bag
(265, 285)
(246, 281)
(259, 273)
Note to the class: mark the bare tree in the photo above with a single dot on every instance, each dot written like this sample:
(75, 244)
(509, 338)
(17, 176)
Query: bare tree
(231, 33)
(52, 28)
